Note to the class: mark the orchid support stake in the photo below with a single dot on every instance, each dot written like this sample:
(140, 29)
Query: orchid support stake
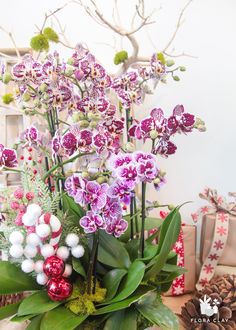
(128, 122)
(143, 219)
(92, 265)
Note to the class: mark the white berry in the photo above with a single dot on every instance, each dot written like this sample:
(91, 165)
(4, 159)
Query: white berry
(43, 230)
(33, 239)
(27, 266)
(63, 252)
(77, 251)
(29, 219)
(34, 209)
(38, 267)
(72, 240)
(30, 251)
(16, 237)
(16, 251)
(47, 250)
(41, 279)
(68, 270)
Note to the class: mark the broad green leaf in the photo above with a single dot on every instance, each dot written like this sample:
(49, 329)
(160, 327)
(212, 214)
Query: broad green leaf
(166, 242)
(8, 310)
(111, 281)
(132, 247)
(111, 252)
(61, 318)
(149, 252)
(124, 303)
(13, 280)
(125, 319)
(35, 323)
(77, 266)
(131, 282)
(153, 310)
(165, 226)
(150, 223)
(72, 207)
(169, 268)
(37, 303)
(20, 319)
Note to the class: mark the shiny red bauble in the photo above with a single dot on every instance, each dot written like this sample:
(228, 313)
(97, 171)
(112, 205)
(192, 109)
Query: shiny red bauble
(53, 266)
(59, 288)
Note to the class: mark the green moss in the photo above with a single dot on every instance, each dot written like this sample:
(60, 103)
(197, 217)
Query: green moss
(50, 34)
(120, 57)
(7, 98)
(82, 302)
(39, 43)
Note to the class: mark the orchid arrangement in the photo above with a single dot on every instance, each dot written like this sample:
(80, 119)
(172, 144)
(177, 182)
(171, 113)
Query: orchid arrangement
(74, 232)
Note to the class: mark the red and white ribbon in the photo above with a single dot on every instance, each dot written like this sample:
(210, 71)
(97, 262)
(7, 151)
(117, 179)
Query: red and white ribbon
(178, 283)
(222, 209)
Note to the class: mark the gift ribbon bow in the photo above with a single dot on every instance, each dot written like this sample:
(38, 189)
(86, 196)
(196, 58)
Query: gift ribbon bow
(222, 209)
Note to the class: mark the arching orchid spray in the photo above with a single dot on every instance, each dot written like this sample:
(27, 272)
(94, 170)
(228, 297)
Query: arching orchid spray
(86, 151)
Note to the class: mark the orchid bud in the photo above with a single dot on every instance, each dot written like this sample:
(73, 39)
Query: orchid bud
(43, 88)
(26, 97)
(153, 134)
(69, 71)
(101, 179)
(93, 124)
(83, 123)
(162, 173)
(70, 61)
(6, 78)
(129, 147)
(156, 181)
(171, 207)
(75, 117)
(85, 175)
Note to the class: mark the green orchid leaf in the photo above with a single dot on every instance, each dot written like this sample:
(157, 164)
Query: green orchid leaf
(131, 281)
(20, 319)
(111, 281)
(165, 227)
(132, 247)
(111, 252)
(74, 209)
(150, 252)
(77, 266)
(168, 237)
(124, 319)
(8, 310)
(150, 223)
(35, 323)
(142, 290)
(13, 280)
(37, 303)
(61, 318)
(153, 310)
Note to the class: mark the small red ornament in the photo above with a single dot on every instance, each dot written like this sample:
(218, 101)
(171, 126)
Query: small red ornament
(53, 266)
(19, 193)
(59, 288)
(30, 149)
(29, 158)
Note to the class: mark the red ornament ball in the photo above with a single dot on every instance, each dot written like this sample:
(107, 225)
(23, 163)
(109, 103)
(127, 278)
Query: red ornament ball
(53, 266)
(59, 288)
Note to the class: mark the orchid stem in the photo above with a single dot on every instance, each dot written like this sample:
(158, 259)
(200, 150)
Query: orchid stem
(56, 166)
(143, 219)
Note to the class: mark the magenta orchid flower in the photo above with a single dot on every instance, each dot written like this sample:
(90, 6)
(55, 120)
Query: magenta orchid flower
(91, 222)
(8, 157)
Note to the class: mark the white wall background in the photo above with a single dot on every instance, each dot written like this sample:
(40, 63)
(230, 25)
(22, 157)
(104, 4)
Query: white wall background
(207, 89)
